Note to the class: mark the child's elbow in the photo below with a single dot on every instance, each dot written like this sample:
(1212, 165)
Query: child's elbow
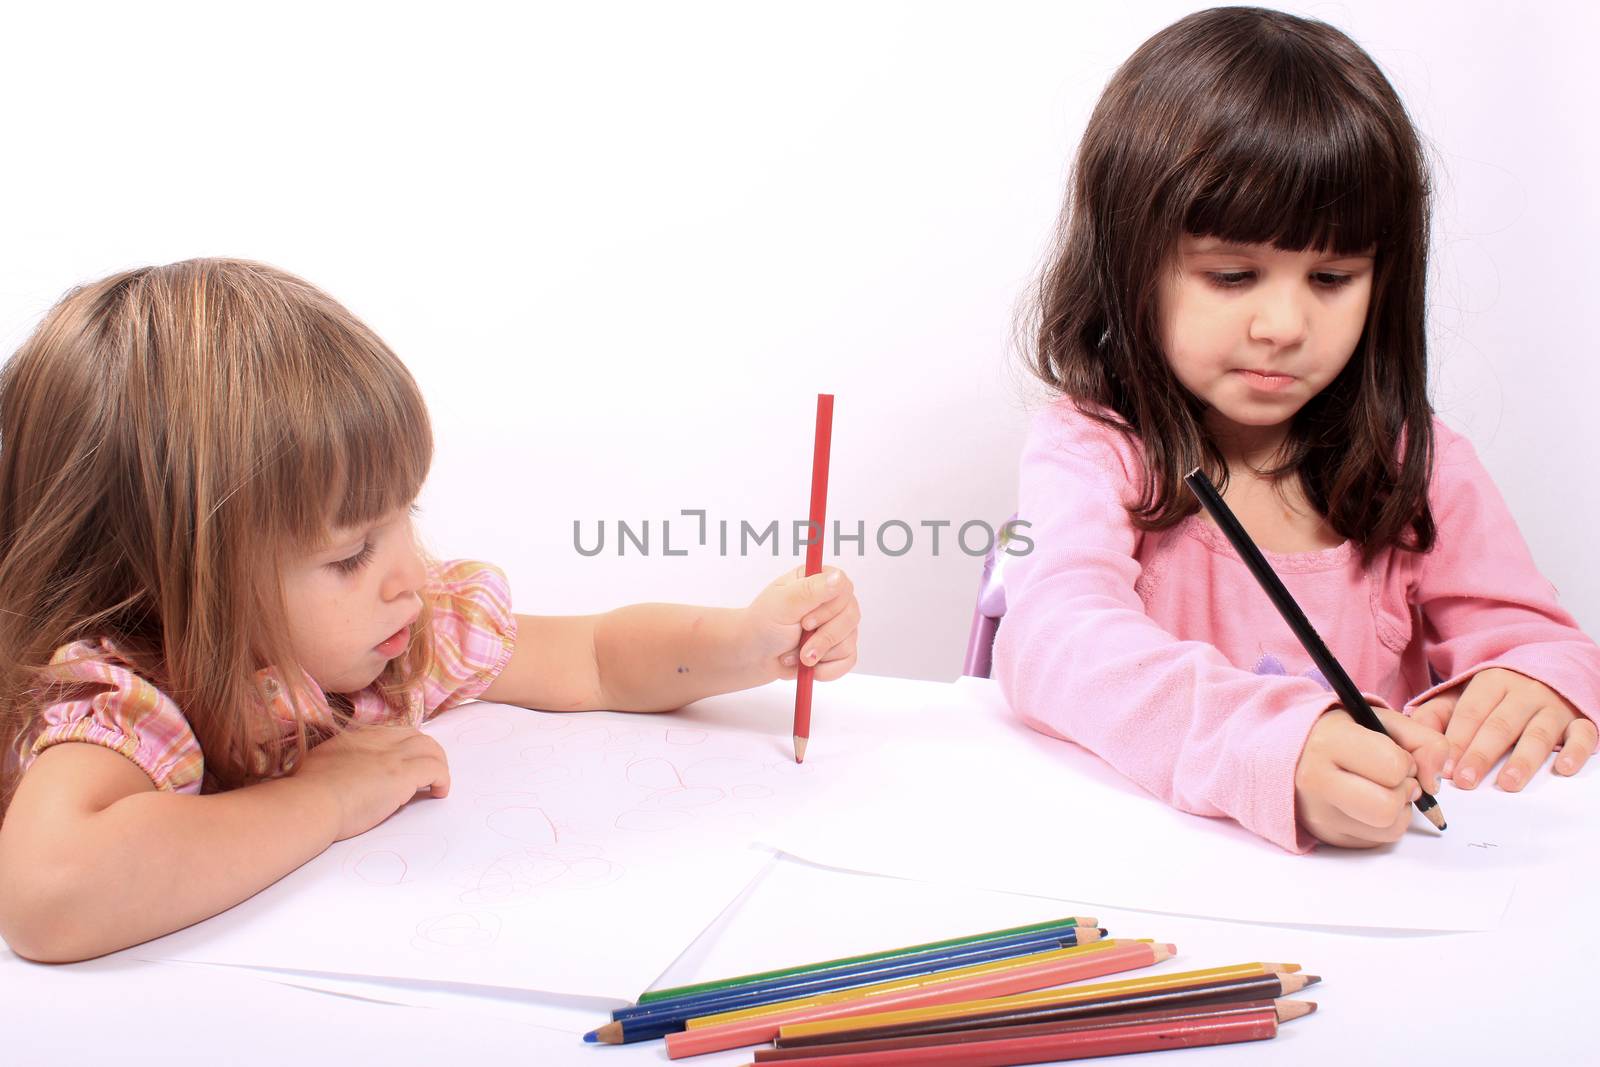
(39, 924)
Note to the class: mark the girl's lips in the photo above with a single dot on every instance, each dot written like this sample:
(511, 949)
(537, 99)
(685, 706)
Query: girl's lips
(395, 643)
(1268, 383)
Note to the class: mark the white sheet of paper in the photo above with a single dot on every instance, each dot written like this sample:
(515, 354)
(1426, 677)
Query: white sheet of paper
(577, 853)
(974, 797)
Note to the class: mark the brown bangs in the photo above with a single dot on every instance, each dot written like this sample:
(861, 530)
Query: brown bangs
(1288, 161)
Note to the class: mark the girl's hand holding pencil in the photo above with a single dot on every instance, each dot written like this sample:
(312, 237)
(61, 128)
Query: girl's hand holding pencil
(1498, 710)
(804, 619)
(1354, 787)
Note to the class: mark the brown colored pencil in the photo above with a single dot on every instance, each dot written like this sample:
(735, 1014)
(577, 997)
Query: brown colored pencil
(1180, 1028)
(1038, 998)
(1260, 987)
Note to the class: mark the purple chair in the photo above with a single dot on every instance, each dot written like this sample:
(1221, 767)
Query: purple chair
(991, 606)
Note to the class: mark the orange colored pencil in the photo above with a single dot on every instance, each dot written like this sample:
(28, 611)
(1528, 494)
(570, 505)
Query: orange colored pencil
(820, 450)
(1066, 965)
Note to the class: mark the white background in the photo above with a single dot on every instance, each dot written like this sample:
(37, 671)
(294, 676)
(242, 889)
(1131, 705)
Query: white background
(623, 246)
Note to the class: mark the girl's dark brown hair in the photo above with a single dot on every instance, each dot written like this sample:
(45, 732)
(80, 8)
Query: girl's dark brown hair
(167, 436)
(1255, 127)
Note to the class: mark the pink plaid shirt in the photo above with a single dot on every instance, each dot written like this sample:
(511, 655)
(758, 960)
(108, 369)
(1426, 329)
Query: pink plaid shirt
(473, 633)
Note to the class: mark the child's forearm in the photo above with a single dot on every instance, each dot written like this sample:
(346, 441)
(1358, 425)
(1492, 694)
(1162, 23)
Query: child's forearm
(155, 862)
(655, 657)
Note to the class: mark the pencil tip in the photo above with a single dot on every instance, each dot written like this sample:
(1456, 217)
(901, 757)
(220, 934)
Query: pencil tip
(800, 748)
(591, 1037)
(1312, 979)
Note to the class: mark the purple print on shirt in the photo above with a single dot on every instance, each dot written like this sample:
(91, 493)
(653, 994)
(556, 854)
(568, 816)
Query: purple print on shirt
(1270, 664)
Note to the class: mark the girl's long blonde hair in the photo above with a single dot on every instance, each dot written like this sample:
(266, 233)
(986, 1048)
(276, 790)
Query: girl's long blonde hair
(167, 436)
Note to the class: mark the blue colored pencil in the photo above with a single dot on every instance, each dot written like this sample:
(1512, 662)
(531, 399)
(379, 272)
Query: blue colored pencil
(1050, 935)
(660, 1018)
(876, 970)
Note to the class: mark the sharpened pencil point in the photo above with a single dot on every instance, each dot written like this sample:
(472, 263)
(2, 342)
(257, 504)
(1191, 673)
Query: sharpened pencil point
(591, 1037)
(1313, 979)
(800, 748)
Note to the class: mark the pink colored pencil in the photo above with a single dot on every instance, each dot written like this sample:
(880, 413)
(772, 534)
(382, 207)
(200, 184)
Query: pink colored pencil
(1111, 1040)
(695, 1041)
(820, 450)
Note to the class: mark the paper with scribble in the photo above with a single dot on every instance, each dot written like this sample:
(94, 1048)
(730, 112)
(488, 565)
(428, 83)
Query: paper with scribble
(578, 853)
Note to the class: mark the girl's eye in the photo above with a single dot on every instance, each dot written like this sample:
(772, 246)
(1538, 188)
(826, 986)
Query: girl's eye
(354, 563)
(1235, 279)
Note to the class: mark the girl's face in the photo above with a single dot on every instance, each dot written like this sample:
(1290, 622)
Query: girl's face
(1256, 332)
(352, 602)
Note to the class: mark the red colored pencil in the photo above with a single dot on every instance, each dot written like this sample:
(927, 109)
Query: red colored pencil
(819, 507)
(1187, 1012)
(1224, 1028)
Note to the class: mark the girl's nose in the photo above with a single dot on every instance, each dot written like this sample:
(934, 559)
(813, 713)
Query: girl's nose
(1279, 317)
(406, 575)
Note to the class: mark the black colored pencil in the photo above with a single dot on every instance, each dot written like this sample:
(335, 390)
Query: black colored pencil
(1349, 695)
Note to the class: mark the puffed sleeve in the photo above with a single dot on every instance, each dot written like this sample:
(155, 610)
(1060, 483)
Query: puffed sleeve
(473, 632)
(106, 703)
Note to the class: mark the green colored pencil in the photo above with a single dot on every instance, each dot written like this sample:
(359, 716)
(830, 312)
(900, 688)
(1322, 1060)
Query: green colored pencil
(847, 961)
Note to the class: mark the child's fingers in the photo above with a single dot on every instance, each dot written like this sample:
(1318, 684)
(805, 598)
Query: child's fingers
(1577, 746)
(805, 595)
(1435, 713)
(1539, 739)
(1370, 755)
(823, 612)
(1377, 809)
(1493, 739)
(840, 659)
(815, 648)
(835, 664)
(1339, 827)
(1478, 701)
(426, 762)
(1428, 747)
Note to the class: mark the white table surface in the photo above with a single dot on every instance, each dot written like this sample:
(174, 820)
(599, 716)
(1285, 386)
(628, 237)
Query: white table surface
(1515, 994)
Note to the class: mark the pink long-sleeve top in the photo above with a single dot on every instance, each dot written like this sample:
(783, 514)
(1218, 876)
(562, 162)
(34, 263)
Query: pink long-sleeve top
(1159, 651)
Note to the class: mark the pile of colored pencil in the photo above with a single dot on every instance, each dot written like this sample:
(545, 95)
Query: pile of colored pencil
(985, 999)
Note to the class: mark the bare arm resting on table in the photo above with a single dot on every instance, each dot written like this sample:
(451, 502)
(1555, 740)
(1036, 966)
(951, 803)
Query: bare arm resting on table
(93, 858)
